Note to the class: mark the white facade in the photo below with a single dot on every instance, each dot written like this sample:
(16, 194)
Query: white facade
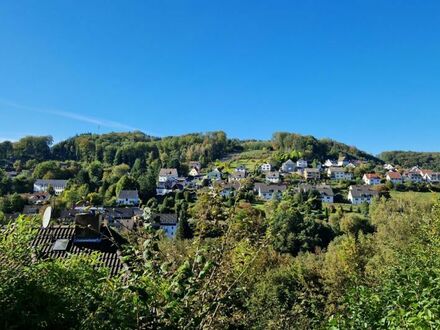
(43, 186)
(371, 180)
(266, 167)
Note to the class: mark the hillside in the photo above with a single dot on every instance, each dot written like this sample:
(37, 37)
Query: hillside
(118, 148)
(428, 160)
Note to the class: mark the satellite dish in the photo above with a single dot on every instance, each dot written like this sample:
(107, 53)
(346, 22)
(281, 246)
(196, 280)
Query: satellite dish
(46, 216)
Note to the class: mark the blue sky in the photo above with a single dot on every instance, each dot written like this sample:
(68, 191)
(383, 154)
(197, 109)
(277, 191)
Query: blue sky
(366, 73)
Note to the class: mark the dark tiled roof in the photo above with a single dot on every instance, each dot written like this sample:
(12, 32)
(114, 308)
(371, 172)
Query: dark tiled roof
(128, 194)
(109, 255)
(54, 183)
(165, 218)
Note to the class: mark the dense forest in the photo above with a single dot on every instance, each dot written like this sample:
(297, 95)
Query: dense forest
(428, 160)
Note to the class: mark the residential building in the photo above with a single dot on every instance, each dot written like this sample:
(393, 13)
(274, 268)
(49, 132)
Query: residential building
(361, 194)
(128, 197)
(237, 175)
(371, 179)
(269, 191)
(330, 163)
(301, 163)
(394, 177)
(228, 189)
(413, 176)
(167, 222)
(339, 173)
(241, 169)
(266, 167)
(312, 174)
(168, 174)
(288, 166)
(214, 175)
(85, 237)
(389, 167)
(273, 177)
(196, 165)
(326, 192)
(43, 185)
(431, 176)
(194, 172)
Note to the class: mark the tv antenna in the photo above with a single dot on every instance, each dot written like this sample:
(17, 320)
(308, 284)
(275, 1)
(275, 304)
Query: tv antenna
(46, 216)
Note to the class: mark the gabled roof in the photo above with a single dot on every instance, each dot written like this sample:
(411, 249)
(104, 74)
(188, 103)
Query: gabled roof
(267, 188)
(337, 169)
(360, 191)
(46, 239)
(322, 189)
(128, 194)
(165, 219)
(289, 161)
(53, 183)
(168, 172)
(272, 174)
(394, 175)
(372, 176)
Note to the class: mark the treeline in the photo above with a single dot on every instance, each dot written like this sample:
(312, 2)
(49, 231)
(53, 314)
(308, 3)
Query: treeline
(312, 148)
(426, 160)
(126, 148)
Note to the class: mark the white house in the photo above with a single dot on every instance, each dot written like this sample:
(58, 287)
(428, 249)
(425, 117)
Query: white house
(273, 177)
(361, 194)
(371, 179)
(326, 192)
(168, 174)
(338, 173)
(241, 169)
(301, 163)
(269, 191)
(415, 177)
(394, 177)
(167, 222)
(389, 167)
(430, 176)
(330, 163)
(266, 167)
(128, 197)
(43, 185)
(288, 166)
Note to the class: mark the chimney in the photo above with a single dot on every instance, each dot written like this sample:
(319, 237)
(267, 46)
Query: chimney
(87, 228)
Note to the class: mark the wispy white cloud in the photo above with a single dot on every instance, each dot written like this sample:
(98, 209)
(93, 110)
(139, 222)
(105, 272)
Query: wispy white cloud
(69, 115)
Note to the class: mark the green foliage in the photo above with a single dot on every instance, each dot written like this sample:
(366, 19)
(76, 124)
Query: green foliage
(428, 160)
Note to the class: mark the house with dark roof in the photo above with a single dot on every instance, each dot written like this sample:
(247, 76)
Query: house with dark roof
(43, 185)
(81, 238)
(288, 166)
(167, 222)
(361, 194)
(128, 197)
(269, 191)
(326, 191)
